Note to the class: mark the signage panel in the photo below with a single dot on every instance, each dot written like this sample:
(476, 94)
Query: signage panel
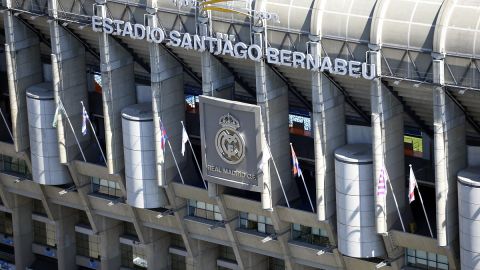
(231, 143)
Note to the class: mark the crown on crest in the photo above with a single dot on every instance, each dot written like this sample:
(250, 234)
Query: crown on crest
(229, 121)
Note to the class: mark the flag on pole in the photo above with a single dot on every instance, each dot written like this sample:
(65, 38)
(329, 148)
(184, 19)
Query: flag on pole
(412, 183)
(84, 120)
(265, 154)
(55, 118)
(184, 139)
(296, 166)
(382, 182)
(164, 137)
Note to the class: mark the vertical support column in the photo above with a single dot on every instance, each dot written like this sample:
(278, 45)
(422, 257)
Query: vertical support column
(65, 235)
(329, 133)
(205, 257)
(156, 250)
(449, 155)
(272, 97)
(69, 84)
(118, 91)
(254, 261)
(24, 69)
(217, 81)
(387, 126)
(110, 231)
(168, 107)
(22, 231)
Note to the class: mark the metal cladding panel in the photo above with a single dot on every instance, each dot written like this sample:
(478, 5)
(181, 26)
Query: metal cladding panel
(46, 167)
(139, 153)
(468, 205)
(357, 236)
(348, 19)
(459, 22)
(406, 23)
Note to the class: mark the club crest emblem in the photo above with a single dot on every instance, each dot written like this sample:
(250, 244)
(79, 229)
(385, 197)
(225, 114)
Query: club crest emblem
(229, 143)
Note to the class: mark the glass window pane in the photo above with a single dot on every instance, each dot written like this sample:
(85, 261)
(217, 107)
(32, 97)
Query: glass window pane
(443, 259)
(296, 227)
(261, 219)
(261, 228)
(218, 217)
(269, 221)
(201, 205)
(209, 207)
(193, 203)
(252, 217)
(421, 254)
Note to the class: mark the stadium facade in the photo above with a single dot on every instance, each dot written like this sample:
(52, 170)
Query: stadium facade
(264, 134)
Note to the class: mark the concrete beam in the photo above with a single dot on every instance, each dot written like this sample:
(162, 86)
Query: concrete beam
(70, 87)
(22, 231)
(329, 133)
(118, 91)
(272, 97)
(450, 155)
(387, 149)
(168, 103)
(156, 251)
(24, 69)
(109, 232)
(65, 235)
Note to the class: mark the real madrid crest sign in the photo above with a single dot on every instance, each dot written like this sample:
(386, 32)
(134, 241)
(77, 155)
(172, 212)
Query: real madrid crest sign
(231, 145)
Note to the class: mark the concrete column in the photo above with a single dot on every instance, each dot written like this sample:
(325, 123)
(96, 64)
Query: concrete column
(110, 231)
(272, 97)
(156, 250)
(65, 235)
(450, 156)
(24, 69)
(168, 107)
(217, 81)
(22, 231)
(254, 261)
(387, 129)
(205, 256)
(329, 133)
(70, 85)
(118, 91)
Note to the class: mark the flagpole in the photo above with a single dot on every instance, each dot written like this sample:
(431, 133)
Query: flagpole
(276, 170)
(423, 206)
(174, 159)
(305, 185)
(396, 203)
(6, 124)
(60, 103)
(195, 157)
(95, 135)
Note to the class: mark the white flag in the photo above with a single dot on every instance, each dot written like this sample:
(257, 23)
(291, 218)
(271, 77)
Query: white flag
(55, 118)
(265, 155)
(84, 121)
(184, 140)
(412, 183)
